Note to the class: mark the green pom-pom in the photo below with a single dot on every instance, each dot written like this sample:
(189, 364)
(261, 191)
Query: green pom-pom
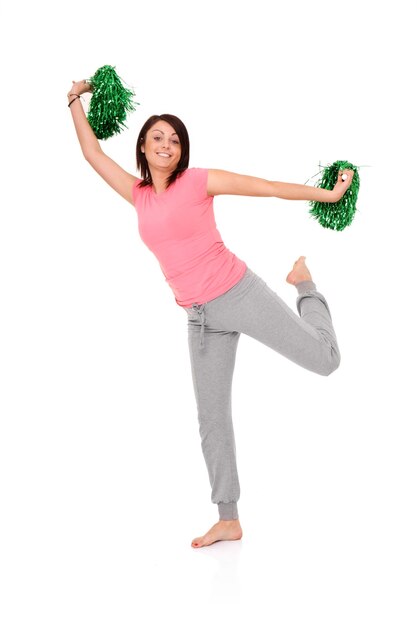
(336, 215)
(110, 103)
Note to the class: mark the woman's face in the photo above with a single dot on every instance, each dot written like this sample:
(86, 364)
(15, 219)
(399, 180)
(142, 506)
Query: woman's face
(162, 147)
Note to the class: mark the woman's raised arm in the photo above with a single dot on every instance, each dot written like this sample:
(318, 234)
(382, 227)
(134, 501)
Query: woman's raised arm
(222, 182)
(120, 180)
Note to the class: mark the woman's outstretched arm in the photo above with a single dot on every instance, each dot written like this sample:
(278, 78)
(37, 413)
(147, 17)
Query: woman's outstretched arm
(221, 182)
(120, 180)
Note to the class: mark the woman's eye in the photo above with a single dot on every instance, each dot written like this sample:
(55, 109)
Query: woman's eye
(157, 138)
(175, 141)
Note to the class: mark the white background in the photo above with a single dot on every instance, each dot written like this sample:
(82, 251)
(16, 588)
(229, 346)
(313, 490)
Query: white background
(103, 484)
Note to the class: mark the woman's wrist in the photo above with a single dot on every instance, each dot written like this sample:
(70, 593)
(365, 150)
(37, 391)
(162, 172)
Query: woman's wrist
(329, 196)
(72, 97)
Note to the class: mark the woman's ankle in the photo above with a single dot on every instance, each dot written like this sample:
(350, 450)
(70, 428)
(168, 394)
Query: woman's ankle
(228, 511)
(305, 285)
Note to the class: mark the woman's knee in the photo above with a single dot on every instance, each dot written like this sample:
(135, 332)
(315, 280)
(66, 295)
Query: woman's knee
(332, 363)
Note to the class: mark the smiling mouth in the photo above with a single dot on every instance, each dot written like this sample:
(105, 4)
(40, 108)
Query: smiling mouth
(163, 154)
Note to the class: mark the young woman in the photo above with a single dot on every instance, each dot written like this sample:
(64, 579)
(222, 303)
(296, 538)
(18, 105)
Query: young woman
(220, 294)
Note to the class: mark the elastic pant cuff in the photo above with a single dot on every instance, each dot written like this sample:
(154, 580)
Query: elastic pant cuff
(228, 510)
(305, 285)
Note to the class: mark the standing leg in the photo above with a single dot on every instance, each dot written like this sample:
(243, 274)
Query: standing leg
(212, 372)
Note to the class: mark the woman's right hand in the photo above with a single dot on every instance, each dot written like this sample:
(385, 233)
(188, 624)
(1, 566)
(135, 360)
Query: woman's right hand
(341, 185)
(79, 87)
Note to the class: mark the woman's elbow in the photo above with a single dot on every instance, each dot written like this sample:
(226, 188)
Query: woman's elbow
(90, 156)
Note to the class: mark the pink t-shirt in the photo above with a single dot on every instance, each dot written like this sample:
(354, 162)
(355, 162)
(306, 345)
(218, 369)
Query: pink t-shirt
(178, 226)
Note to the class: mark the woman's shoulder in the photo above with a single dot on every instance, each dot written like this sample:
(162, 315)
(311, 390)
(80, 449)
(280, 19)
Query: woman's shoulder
(195, 171)
(195, 177)
(136, 189)
(194, 174)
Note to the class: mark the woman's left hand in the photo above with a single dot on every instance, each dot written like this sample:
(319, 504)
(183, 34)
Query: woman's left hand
(342, 186)
(79, 87)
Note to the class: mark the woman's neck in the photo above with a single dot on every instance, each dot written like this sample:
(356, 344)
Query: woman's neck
(160, 181)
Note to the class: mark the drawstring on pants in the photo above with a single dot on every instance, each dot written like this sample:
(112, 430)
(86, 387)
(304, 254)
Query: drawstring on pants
(200, 310)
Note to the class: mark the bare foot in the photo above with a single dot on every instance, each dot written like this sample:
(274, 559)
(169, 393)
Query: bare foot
(299, 272)
(228, 530)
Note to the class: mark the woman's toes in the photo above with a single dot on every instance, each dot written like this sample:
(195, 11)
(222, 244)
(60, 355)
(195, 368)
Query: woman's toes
(198, 542)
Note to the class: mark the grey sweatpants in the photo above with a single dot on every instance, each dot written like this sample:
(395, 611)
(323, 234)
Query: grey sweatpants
(214, 328)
